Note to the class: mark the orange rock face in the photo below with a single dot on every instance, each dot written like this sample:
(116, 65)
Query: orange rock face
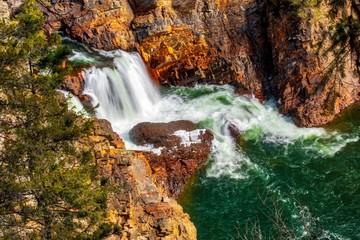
(74, 83)
(103, 24)
(182, 42)
(189, 42)
(301, 84)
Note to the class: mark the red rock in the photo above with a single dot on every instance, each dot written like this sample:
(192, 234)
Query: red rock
(177, 162)
(158, 134)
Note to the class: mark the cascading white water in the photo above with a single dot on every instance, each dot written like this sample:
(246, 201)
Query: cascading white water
(74, 103)
(122, 91)
(125, 96)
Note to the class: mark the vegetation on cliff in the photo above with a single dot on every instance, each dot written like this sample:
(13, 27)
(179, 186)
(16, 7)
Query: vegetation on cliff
(48, 188)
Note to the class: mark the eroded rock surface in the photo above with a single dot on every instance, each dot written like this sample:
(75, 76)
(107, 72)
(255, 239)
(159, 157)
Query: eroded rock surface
(180, 148)
(181, 42)
(139, 207)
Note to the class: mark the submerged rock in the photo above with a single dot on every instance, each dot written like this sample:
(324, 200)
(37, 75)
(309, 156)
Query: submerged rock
(179, 149)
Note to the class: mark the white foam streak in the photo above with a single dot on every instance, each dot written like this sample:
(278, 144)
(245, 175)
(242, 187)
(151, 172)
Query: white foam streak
(188, 138)
(82, 57)
(226, 161)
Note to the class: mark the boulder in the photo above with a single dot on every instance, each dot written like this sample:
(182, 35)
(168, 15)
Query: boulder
(179, 149)
(159, 134)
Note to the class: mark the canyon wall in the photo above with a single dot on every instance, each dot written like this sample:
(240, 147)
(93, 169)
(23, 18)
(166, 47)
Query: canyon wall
(181, 42)
(260, 47)
(301, 81)
(136, 205)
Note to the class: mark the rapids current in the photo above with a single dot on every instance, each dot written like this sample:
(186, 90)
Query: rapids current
(312, 174)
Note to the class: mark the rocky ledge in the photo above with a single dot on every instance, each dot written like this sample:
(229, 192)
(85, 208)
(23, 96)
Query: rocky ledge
(179, 149)
(139, 207)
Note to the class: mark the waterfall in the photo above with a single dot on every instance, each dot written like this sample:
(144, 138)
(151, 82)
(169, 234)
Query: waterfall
(123, 90)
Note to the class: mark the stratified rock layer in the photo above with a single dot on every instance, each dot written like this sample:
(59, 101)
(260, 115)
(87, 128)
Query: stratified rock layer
(180, 148)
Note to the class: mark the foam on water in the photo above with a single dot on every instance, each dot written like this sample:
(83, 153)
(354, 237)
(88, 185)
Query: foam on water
(188, 138)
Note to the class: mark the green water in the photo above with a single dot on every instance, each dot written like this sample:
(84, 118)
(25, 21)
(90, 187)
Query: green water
(295, 174)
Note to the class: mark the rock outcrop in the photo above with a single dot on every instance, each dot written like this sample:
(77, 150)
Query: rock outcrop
(137, 206)
(103, 24)
(180, 148)
(299, 79)
(260, 47)
(8, 8)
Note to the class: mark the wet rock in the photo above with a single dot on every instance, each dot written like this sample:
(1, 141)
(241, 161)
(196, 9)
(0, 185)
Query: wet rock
(258, 47)
(180, 148)
(159, 134)
(181, 42)
(234, 131)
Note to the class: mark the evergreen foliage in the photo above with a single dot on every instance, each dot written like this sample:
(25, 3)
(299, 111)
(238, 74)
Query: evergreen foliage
(48, 188)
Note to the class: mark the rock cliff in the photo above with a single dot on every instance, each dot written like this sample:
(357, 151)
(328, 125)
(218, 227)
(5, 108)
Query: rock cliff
(260, 47)
(182, 42)
(137, 206)
(300, 68)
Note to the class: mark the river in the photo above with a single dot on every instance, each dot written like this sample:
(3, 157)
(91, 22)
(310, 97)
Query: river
(306, 180)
